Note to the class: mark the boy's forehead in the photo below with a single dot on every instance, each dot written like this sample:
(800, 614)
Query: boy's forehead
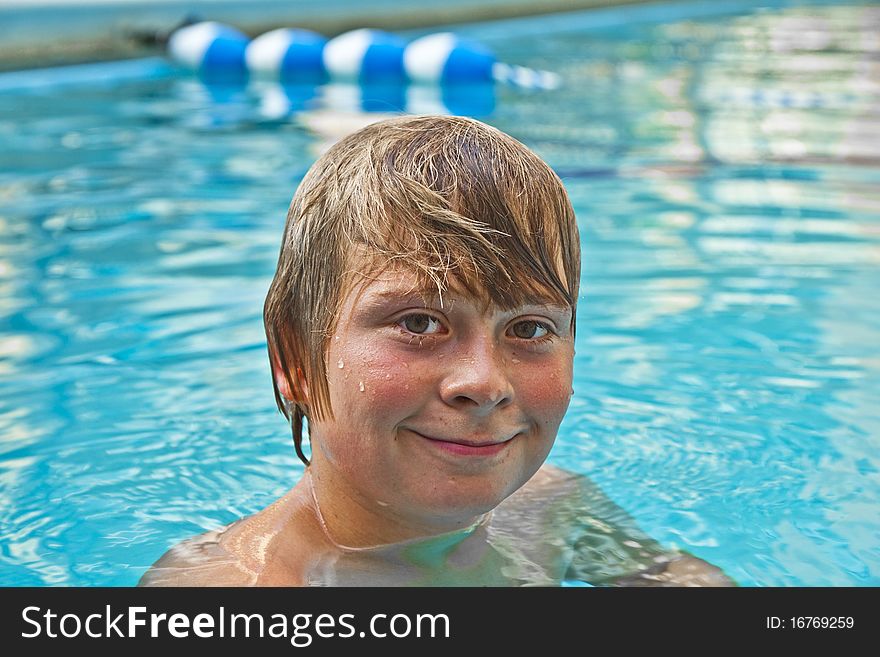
(380, 284)
(403, 283)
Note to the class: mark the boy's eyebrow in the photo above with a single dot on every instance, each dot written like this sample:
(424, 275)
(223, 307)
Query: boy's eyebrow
(382, 297)
(538, 300)
(430, 295)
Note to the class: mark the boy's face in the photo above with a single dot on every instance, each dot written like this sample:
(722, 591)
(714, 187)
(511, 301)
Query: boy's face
(440, 412)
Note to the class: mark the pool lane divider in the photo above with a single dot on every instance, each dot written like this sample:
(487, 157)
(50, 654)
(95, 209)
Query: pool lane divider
(363, 55)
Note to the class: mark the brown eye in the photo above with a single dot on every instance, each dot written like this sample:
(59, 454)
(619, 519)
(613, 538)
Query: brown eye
(529, 330)
(419, 323)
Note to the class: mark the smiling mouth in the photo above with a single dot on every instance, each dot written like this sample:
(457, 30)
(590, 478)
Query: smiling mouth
(466, 448)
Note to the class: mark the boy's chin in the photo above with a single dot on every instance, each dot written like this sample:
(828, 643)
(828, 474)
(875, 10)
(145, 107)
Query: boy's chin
(456, 507)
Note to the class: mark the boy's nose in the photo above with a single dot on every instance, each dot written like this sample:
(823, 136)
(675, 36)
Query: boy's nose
(478, 379)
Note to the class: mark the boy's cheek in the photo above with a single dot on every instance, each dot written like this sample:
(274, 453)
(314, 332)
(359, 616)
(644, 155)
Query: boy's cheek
(381, 381)
(547, 390)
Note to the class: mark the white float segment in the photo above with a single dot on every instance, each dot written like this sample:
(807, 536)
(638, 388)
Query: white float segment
(265, 54)
(549, 80)
(189, 44)
(500, 71)
(526, 78)
(344, 55)
(523, 77)
(424, 59)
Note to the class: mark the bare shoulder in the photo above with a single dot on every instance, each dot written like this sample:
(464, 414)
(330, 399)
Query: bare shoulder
(609, 548)
(678, 569)
(198, 561)
(546, 504)
(551, 474)
(270, 548)
(551, 482)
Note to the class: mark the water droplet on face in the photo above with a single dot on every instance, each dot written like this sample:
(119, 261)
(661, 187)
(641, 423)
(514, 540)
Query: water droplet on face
(361, 386)
(340, 364)
(515, 360)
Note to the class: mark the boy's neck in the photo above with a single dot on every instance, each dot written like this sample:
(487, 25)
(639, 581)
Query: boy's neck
(354, 525)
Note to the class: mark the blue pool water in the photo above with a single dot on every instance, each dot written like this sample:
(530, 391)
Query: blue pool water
(726, 175)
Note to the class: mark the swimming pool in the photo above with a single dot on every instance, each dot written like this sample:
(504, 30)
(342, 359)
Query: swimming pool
(725, 174)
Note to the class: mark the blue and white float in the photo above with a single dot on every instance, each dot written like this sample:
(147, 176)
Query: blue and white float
(210, 48)
(287, 54)
(445, 58)
(365, 55)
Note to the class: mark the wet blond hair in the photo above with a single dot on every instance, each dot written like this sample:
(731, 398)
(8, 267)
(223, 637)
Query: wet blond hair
(457, 201)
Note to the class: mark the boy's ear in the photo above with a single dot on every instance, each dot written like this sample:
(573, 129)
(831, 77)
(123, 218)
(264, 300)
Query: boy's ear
(284, 385)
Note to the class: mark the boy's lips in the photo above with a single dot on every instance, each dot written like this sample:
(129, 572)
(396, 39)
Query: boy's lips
(464, 447)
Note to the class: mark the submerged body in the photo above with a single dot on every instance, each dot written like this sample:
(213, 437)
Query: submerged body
(557, 527)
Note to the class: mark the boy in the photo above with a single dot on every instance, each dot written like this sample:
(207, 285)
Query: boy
(422, 320)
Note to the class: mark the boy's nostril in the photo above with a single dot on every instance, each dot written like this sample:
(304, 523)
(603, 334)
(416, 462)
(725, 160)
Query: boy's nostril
(474, 395)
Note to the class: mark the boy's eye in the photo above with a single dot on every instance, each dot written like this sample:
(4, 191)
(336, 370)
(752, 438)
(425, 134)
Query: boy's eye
(530, 330)
(420, 324)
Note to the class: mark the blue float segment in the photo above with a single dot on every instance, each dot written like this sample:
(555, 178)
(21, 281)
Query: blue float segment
(468, 63)
(224, 54)
(210, 48)
(365, 55)
(445, 58)
(287, 54)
